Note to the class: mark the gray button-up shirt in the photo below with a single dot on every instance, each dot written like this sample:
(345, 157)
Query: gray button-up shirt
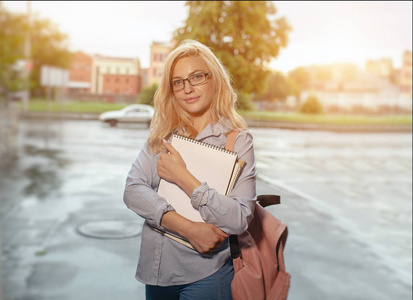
(165, 262)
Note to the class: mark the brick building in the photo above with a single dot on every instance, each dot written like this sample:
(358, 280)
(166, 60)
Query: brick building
(80, 73)
(116, 76)
(118, 84)
(159, 52)
(406, 74)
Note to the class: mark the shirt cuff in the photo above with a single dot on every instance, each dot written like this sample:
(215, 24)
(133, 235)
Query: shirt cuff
(200, 196)
(159, 214)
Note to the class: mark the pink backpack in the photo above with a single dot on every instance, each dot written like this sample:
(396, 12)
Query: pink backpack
(258, 253)
(259, 268)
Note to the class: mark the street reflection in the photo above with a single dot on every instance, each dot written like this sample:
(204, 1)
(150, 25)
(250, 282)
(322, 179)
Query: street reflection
(42, 182)
(43, 170)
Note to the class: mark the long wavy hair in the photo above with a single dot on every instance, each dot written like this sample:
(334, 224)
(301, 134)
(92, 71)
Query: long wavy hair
(170, 117)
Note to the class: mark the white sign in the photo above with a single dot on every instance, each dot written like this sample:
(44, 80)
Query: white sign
(54, 77)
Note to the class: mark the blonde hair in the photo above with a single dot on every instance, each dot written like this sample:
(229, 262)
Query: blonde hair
(170, 117)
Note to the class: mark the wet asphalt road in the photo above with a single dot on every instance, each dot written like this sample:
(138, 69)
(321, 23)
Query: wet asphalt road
(346, 198)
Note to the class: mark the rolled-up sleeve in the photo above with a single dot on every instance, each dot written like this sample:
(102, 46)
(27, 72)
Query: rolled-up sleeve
(140, 191)
(231, 213)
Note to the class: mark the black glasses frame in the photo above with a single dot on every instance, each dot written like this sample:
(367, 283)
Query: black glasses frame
(207, 74)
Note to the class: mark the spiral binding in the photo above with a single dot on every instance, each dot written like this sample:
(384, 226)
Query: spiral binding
(203, 144)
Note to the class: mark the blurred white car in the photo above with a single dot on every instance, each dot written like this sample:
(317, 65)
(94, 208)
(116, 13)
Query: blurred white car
(135, 113)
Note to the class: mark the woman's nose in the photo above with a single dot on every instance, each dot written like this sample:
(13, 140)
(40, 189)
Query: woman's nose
(188, 87)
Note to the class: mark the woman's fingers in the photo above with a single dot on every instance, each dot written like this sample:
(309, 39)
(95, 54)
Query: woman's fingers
(207, 238)
(169, 147)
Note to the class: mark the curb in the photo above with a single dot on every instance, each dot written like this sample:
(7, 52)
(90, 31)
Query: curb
(59, 116)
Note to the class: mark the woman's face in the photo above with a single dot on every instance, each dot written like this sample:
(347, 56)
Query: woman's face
(196, 100)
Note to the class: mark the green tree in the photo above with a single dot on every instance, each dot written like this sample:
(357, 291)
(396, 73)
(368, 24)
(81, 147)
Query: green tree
(244, 101)
(48, 46)
(147, 93)
(12, 33)
(302, 77)
(280, 87)
(244, 35)
(323, 73)
(311, 106)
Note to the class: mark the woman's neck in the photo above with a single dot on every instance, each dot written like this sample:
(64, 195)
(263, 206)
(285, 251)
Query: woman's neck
(200, 122)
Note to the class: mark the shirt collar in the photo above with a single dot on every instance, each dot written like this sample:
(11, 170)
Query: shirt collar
(214, 129)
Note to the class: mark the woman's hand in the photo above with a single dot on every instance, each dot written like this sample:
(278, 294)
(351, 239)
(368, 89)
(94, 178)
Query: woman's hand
(205, 238)
(172, 168)
(170, 164)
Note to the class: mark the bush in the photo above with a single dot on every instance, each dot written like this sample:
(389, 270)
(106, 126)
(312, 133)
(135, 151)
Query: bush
(146, 94)
(311, 106)
(244, 101)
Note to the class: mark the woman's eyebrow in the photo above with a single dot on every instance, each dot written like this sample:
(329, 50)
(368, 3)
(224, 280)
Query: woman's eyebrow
(193, 72)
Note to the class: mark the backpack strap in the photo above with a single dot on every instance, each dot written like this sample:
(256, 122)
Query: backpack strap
(233, 239)
(263, 200)
(230, 144)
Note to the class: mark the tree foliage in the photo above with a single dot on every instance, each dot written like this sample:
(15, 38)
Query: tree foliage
(302, 77)
(11, 49)
(244, 35)
(48, 47)
(147, 93)
(278, 87)
(311, 106)
(244, 101)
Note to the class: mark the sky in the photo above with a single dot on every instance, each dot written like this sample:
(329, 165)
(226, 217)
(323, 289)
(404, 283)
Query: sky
(323, 32)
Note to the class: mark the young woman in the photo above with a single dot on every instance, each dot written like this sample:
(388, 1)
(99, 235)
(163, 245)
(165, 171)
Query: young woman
(195, 99)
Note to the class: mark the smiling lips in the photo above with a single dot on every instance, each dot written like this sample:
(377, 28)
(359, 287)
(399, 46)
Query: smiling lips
(191, 99)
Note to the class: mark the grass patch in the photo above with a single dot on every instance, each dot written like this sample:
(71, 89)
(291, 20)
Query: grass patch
(41, 105)
(328, 119)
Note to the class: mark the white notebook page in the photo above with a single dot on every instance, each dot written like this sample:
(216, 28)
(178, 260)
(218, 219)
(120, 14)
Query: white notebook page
(208, 164)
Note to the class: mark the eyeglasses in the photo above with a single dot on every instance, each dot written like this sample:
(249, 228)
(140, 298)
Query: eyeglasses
(196, 79)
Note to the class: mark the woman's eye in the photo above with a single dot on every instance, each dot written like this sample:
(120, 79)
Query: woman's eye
(177, 82)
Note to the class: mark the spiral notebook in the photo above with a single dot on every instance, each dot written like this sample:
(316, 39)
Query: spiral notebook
(216, 166)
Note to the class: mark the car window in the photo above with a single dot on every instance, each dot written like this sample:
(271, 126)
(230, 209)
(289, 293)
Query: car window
(139, 110)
